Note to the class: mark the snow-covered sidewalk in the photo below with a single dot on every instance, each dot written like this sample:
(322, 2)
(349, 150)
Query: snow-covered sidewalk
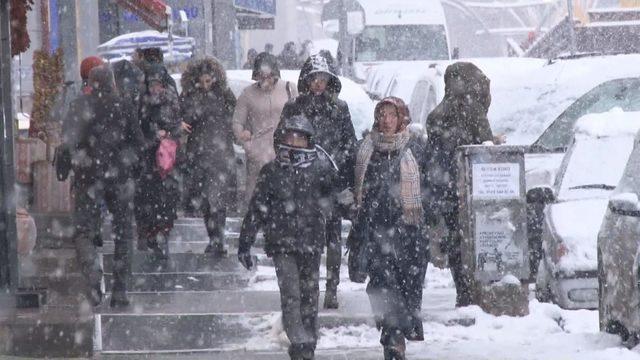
(548, 332)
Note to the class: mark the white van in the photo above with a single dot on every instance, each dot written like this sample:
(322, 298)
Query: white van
(389, 31)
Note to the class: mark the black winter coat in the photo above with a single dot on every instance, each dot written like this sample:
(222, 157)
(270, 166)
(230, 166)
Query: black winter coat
(210, 155)
(210, 115)
(162, 113)
(381, 207)
(104, 138)
(291, 206)
(460, 119)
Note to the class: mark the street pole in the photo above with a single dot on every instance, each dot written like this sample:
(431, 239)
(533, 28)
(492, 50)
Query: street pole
(8, 235)
(572, 30)
(343, 39)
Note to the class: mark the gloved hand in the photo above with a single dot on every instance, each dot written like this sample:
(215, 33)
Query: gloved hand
(345, 197)
(245, 259)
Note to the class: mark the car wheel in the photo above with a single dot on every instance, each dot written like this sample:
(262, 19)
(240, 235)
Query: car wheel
(543, 289)
(616, 328)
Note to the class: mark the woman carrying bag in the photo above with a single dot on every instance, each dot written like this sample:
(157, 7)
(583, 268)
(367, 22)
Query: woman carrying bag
(389, 237)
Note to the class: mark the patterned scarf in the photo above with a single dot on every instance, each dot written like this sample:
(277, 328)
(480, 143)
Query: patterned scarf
(410, 194)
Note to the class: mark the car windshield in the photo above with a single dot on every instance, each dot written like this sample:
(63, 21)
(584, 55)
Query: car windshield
(402, 42)
(591, 169)
(622, 93)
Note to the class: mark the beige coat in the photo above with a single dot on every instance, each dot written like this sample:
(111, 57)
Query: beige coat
(258, 111)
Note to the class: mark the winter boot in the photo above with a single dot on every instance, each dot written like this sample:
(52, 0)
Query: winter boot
(331, 297)
(395, 351)
(159, 247)
(119, 299)
(216, 249)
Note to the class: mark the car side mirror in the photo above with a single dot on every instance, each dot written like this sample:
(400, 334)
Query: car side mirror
(625, 204)
(541, 195)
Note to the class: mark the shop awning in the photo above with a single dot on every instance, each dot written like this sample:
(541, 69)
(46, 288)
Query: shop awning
(152, 12)
(255, 14)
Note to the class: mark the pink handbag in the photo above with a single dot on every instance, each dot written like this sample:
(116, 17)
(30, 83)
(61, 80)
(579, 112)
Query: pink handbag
(166, 156)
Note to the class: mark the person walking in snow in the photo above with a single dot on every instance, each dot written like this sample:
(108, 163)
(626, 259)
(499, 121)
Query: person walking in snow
(157, 193)
(104, 143)
(319, 87)
(292, 201)
(207, 109)
(460, 119)
(391, 223)
(257, 114)
(288, 58)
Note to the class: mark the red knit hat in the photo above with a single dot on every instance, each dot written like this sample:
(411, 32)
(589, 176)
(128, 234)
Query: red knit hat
(88, 64)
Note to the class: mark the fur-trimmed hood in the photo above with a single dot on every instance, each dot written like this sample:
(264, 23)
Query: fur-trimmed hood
(196, 68)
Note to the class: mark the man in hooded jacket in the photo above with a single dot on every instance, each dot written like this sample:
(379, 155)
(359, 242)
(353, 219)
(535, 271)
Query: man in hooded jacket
(460, 119)
(319, 87)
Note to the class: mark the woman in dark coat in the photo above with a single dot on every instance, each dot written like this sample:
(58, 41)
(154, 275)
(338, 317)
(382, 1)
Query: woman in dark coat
(389, 191)
(208, 105)
(157, 193)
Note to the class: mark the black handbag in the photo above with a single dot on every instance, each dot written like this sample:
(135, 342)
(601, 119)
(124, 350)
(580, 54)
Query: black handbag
(62, 162)
(359, 251)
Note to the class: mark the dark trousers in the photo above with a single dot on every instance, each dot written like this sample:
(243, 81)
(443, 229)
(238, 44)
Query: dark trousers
(207, 193)
(298, 278)
(395, 288)
(334, 251)
(118, 198)
(452, 246)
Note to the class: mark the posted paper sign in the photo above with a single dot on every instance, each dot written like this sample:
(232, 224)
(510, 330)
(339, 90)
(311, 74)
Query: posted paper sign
(496, 250)
(496, 181)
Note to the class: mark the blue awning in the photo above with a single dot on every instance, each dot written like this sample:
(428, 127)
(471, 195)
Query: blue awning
(266, 7)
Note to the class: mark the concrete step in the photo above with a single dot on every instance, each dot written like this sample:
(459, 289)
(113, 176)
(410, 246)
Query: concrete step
(47, 333)
(227, 321)
(181, 272)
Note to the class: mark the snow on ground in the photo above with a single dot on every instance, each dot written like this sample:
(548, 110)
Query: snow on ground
(548, 332)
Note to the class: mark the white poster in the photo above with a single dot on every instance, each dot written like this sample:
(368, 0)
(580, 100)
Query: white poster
(496, 249)
(496, 181)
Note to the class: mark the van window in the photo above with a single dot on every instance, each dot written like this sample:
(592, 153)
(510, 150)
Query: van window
(402, 42)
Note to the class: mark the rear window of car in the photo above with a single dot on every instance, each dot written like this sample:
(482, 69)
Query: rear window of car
(622, 93)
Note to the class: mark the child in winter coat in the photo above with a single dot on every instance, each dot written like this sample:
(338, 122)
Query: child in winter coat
(291, 204)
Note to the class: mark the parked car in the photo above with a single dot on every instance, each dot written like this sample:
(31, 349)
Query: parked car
(618, 257)
(590, 171)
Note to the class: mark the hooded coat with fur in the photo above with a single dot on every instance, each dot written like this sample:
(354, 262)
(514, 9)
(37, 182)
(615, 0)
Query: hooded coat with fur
(210, 155)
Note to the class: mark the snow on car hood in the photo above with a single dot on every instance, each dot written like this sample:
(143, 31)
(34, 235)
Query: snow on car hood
(577, 224)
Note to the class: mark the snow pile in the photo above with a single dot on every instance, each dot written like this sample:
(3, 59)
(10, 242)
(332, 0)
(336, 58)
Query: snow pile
(614, 123)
